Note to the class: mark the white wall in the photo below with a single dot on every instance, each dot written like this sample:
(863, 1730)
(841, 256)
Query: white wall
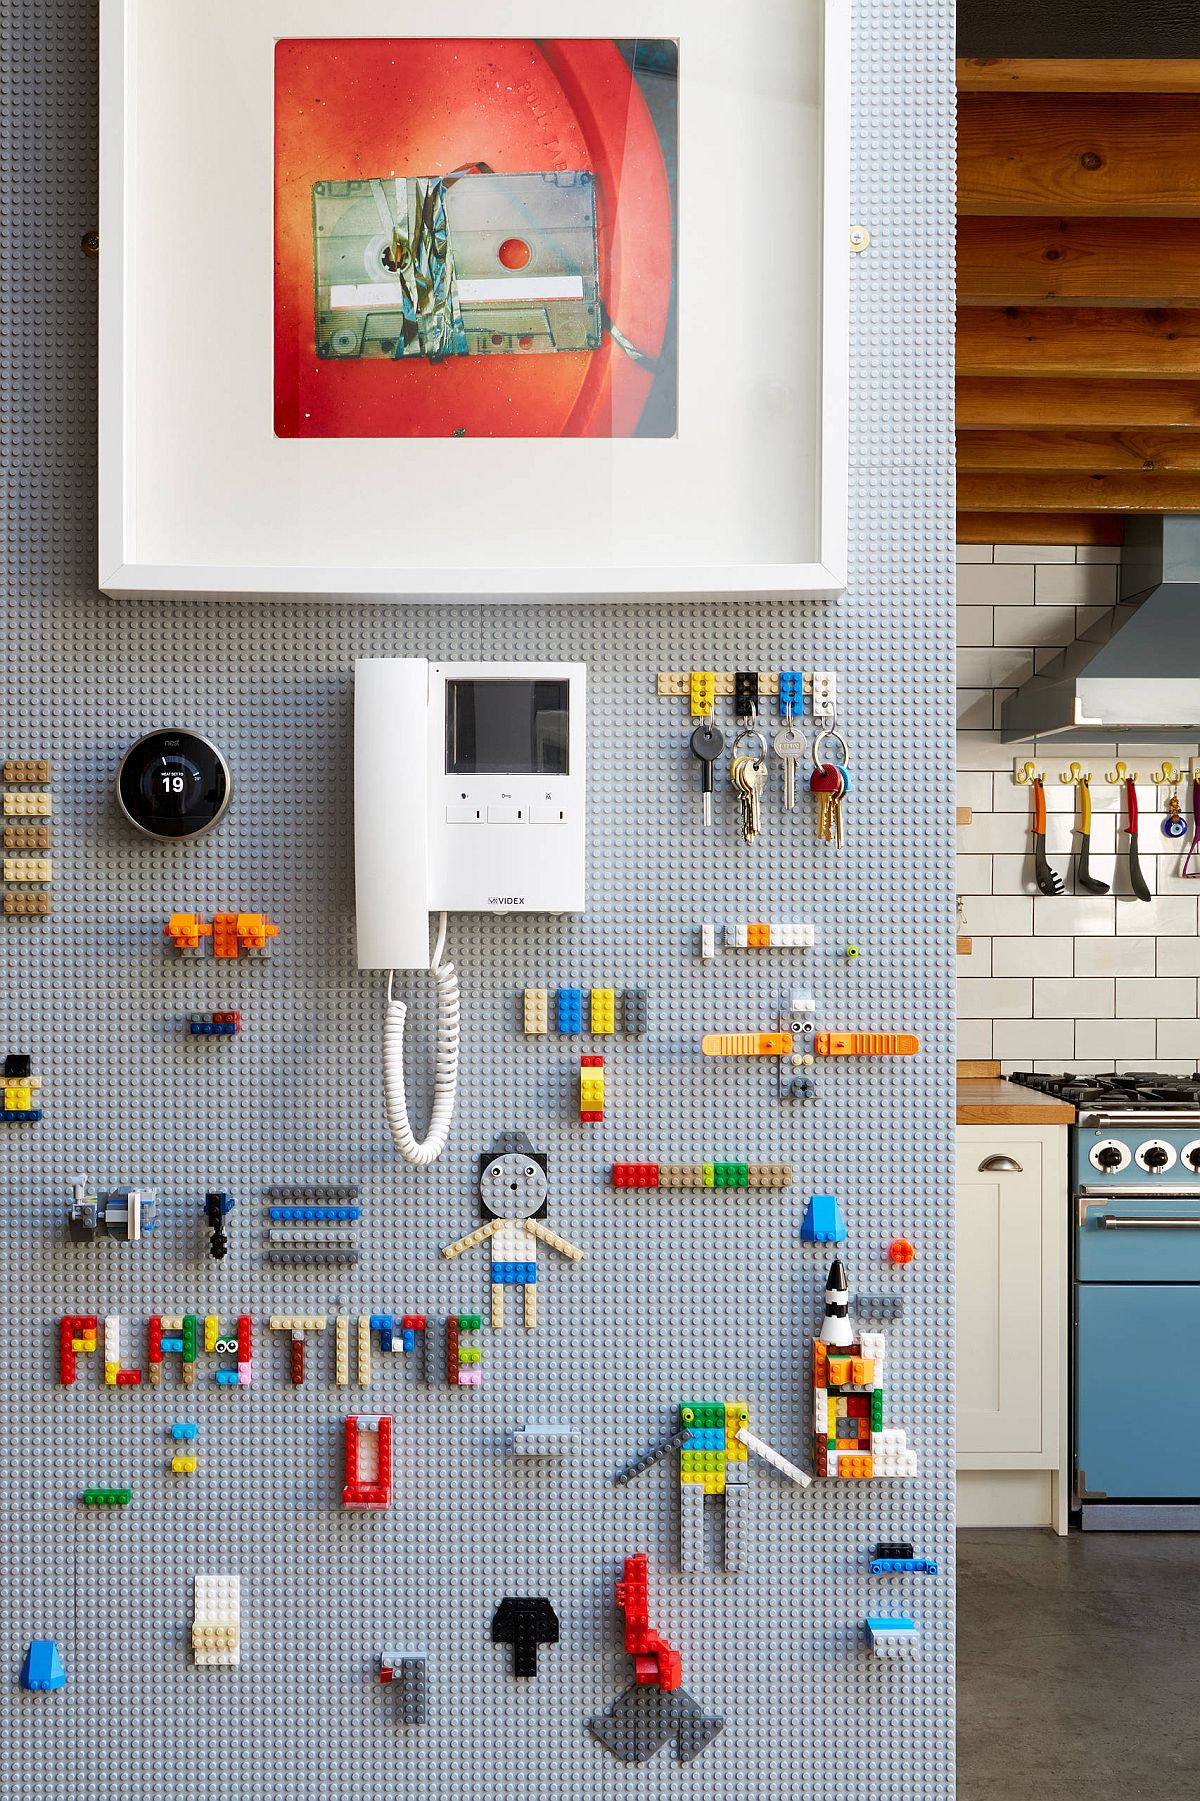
(1087, 982)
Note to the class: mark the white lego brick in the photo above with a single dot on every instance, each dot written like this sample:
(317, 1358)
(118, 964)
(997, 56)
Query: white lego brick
(765, 1452)
(737, 937)
(708, 941)
(874, 1345)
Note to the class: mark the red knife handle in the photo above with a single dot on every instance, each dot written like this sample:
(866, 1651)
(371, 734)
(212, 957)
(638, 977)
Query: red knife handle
(1131, 816)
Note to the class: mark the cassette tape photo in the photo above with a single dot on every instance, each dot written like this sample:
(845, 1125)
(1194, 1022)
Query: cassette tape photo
(476, 237)
(468, 264)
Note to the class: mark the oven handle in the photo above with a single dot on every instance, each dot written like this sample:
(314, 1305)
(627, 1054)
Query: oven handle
(1109, 1220)
(1167, 1191)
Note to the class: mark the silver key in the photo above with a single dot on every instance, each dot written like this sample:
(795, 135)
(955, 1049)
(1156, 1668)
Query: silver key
(789, 746)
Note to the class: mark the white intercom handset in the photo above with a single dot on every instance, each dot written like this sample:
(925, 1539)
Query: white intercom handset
(469, 797)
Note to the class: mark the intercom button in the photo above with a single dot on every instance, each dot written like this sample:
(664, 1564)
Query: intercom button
(506, 814)
(544, 814)
(462, 813)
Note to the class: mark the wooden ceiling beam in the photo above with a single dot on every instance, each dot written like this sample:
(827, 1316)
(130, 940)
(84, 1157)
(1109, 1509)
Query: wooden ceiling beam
(1103, 262)
(1161, 343)
(1032, 403)
(1121, 155)
(1086, 453)
(1078, 75)
(1040, 528)
(1074, 493)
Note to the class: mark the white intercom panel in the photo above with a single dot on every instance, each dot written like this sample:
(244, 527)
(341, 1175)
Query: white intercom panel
(470, 793)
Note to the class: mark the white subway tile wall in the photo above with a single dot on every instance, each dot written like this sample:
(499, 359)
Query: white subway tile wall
(1072, 981)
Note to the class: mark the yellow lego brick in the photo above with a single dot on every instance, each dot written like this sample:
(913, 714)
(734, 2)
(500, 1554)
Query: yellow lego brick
(715, 1483)
(18, 1100)
(695, 1478)
(183, 1466)
(702, 692)
(838, 1371)
(27, 806)
(111, 1371)
(28, 869)
(86, 1343)
(863, 1372)
(710, 1174)
(26, 906)
(537, 1003)
(737, 1415)
(604, 1006)
(212, 1331)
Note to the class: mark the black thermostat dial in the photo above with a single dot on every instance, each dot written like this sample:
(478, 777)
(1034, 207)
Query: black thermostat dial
(173, 784)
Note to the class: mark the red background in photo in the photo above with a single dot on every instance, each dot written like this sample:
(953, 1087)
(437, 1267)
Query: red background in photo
(359, 107)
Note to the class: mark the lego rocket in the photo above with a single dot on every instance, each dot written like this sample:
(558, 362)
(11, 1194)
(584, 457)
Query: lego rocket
(837, 1327)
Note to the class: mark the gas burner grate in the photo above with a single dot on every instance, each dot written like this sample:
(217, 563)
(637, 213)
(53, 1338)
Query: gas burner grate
(1146, 1088)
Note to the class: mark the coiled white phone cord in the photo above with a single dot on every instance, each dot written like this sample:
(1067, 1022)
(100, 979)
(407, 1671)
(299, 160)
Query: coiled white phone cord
(445, 1081)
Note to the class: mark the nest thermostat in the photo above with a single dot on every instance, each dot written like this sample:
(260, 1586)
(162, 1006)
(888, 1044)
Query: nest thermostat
(173, 784)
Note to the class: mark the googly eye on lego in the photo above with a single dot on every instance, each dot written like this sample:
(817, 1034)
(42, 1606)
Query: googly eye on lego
(173, 785)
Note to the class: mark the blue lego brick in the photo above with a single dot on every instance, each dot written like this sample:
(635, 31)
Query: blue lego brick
(408, 1338)
(208, 1030)
(226, 1378)
(569, 1009)
(791, 691)
(9, 1115)
(42, 1669)
(310, 1214)
(173, 1344)
(514, 1274)
(707, 1438)
(385, 1325)
(823, 1222)
(910, 1566)
(184, 1429)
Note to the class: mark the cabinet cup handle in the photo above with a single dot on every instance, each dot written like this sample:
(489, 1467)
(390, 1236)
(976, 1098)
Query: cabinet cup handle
(1001, 1162)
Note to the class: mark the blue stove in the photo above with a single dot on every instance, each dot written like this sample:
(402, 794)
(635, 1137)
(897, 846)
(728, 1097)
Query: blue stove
(1135, 1298)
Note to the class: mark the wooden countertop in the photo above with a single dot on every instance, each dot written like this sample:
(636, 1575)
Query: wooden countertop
(991, 1101)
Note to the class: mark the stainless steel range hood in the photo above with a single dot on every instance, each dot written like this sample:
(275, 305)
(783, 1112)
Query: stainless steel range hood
(1136, 672)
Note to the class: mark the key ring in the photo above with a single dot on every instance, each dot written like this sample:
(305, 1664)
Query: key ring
(830, 731)
(750, 731)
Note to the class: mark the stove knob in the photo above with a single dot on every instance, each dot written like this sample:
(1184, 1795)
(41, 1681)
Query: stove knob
(1155, 1156)
(1193, 1155)
(1109, 1156)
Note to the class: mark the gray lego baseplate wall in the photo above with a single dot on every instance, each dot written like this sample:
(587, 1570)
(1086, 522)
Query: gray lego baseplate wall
(707, 1295)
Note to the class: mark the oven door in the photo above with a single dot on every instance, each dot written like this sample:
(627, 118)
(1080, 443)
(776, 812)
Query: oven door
(1137, 1400)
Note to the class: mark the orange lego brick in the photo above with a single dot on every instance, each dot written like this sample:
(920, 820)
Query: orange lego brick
(746, 1044)
(866, 1044)
(253, 930)
(820, 1362)
(852, 1466)
(185, 930)
(225, 935)
(757, 935)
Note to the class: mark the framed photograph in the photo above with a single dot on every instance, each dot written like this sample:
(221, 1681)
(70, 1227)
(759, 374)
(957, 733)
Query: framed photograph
(390, 314)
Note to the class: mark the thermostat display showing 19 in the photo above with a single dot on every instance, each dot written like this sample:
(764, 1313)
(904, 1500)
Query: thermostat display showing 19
(173, 784)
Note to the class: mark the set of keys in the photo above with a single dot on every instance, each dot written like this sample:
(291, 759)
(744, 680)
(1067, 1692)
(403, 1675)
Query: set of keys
(830, 782)
(748, 775)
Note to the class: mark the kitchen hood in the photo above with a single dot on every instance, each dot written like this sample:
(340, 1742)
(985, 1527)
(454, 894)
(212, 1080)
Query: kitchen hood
(1136, 672)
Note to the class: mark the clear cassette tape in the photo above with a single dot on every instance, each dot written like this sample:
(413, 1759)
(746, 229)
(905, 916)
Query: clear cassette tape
(466, 264)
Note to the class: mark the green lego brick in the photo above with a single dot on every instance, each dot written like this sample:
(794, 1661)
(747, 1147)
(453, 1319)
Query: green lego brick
(107, 1497)
(731, 1175)
(709, 1174)
(877, 1410)
(469, 1322)
(189, 1338)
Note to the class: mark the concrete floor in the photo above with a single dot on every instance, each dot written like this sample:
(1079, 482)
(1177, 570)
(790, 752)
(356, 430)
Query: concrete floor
(1078, 1666)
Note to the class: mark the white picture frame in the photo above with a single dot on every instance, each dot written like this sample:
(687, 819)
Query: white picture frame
(195, 497)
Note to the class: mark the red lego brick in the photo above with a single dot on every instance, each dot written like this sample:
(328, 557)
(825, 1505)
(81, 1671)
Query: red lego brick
(635, 1175)
(245, 1338)
(654, 1660)
(154, 1338)
(128, 1378)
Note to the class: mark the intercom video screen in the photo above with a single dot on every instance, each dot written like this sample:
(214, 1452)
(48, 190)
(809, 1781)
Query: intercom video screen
(507, 727)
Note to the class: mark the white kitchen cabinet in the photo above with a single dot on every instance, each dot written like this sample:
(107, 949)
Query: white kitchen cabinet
(1011, 1230)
